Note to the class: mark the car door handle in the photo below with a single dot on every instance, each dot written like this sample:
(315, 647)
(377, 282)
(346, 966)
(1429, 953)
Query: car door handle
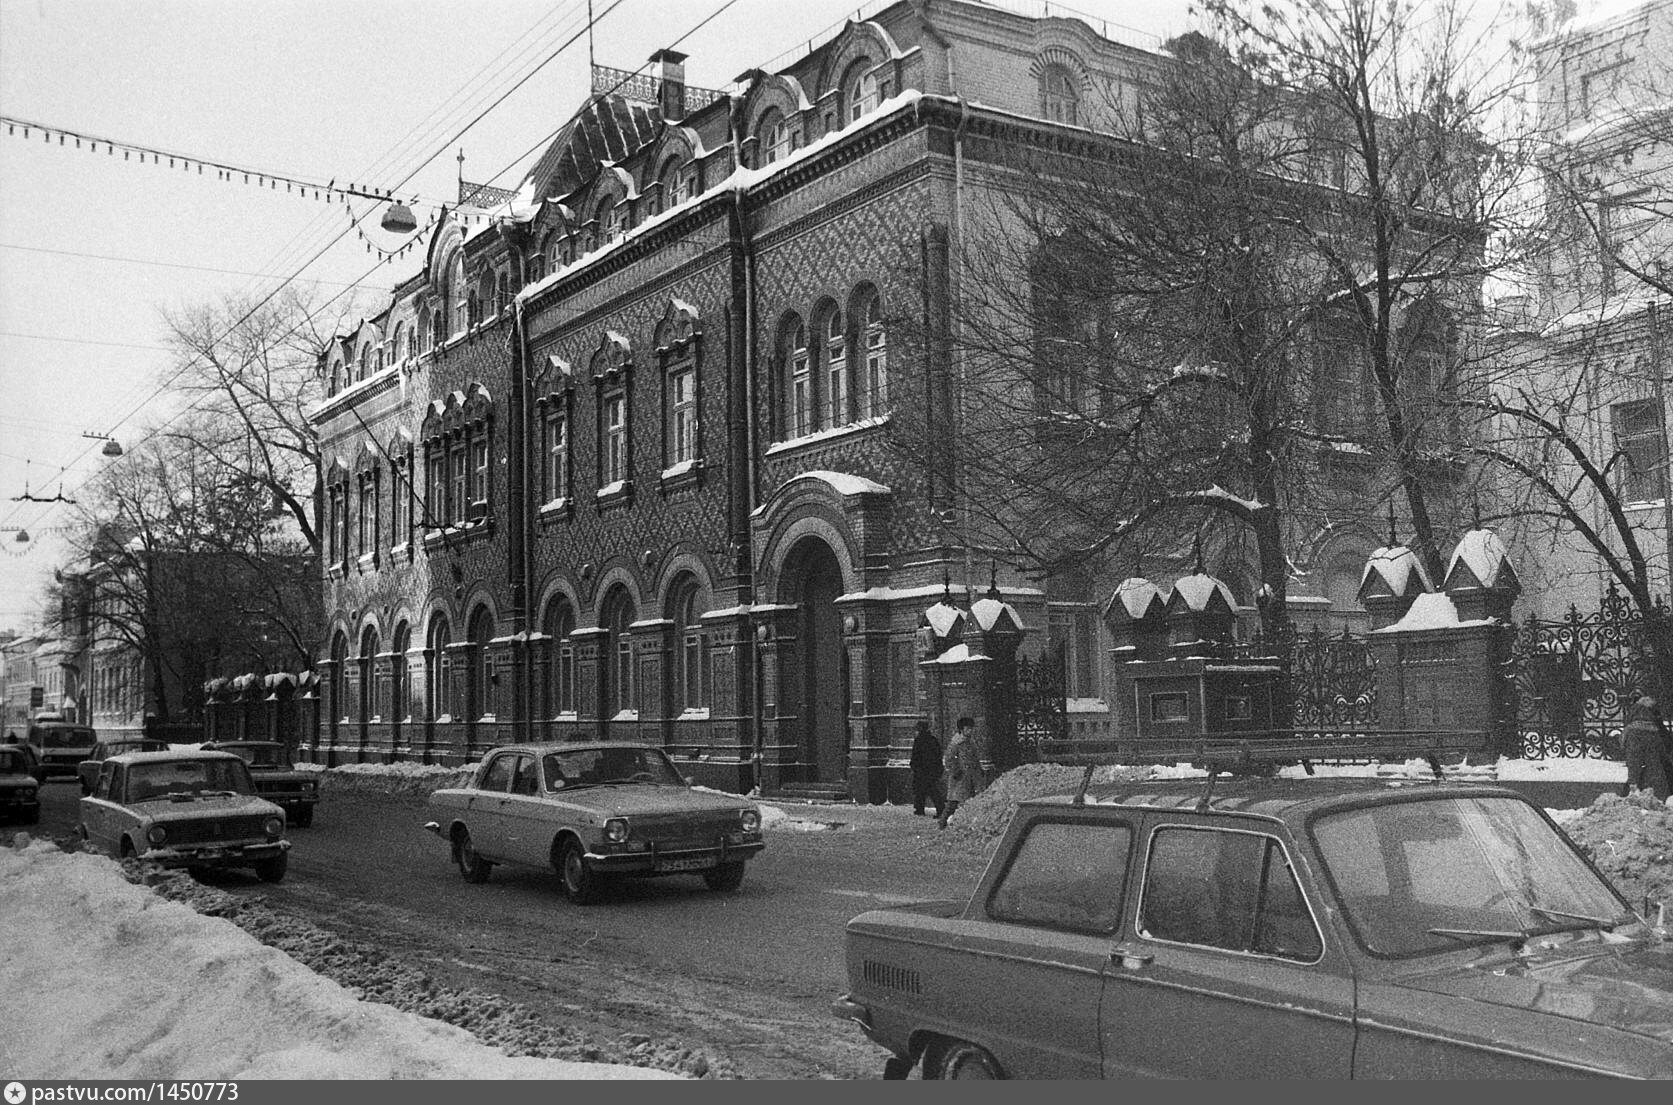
(1131, 956)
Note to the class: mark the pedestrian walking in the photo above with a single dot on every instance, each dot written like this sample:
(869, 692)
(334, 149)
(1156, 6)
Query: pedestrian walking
(927, 772)
(1646, 755)
(963, 760)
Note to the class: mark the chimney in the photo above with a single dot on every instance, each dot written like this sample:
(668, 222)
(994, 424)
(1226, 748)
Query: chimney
(670, 83)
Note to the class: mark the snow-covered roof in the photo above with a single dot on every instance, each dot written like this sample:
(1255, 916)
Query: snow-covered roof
(1197, 592)
(958, 654)
(988, 611)
(1137, 597)
(944, 618)
(1480, 561)
(1393, 571)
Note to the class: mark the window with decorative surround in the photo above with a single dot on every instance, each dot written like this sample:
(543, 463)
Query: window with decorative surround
(1060, 94)
(798, 379)
(400, 493)
(860, 90)
(458, 442)
(1641, 447)
(458, 296)
(690, 683)
(834, 362)
(612, 371)
(876, 388)
(554, 401)
(678, 341)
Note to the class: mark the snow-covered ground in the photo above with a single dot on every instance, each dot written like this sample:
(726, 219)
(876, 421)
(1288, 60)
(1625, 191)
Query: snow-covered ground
(105, 979)
(142, 987)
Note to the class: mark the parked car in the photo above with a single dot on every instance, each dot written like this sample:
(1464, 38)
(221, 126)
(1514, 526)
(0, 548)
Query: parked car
(1279, 929)
(88, 769)
(184, 809)
(592, 812)
(19, 792)
(59, 746)
(276, 777)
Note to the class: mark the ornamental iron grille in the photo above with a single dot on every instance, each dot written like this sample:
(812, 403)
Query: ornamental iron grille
(1042, 702)
(1331, 678)
(1572, 679)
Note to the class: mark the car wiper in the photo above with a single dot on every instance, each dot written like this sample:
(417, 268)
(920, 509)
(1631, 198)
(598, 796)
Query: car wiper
(1478, 934)
(1582, 920)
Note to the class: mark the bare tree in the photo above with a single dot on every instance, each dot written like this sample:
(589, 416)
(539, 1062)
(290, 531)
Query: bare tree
(251, 370)
(1413, 115)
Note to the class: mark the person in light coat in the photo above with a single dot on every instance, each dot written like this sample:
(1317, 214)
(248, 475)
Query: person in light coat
(963, 761)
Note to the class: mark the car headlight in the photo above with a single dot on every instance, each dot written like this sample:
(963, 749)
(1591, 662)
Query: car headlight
(156, 834)
(308, 787)
(750, 820)
(615, 830)
(28, 792)
(274, 827)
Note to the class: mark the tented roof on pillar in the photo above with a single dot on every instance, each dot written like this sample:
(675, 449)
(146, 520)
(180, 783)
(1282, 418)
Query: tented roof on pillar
(1393, 571)
(1135, 598)
(1481, 562)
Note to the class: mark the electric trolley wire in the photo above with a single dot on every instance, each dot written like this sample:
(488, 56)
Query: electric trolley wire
(193, 361)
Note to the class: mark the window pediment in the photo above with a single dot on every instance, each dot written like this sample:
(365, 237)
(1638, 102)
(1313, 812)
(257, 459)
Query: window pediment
(679, 326)
(613, 359)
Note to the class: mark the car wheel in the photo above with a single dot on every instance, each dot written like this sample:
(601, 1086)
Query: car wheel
(471, 863)
(580, 885)
(957, 1059)
(304, 817)
(725, 878)
(273, 870)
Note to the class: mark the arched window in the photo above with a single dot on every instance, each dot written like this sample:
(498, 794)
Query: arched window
(398, 346)
(339, 681)
(619, 615)
(480, 703)
(458, 296)
(435, 689)
(423, 331)
(365, 361)
(559, 696)
(537, 268)
(775, 137)
(690, 682)
(368, 707)
(1060, 94)
(400, 683)
(608, 219)
(859, 90)
(487, 307)
(835, 364)
(876, 390)
(798, 379)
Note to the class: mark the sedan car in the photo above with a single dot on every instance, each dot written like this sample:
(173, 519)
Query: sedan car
(1283, 929)
(592, 812)
(276, 777)
(19, 792)
(184, 809)
(88, 769)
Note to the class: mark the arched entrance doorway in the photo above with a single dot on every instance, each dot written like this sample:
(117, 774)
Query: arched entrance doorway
(813, 580)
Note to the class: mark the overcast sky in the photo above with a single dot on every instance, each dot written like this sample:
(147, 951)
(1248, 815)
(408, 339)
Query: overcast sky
(93, 247)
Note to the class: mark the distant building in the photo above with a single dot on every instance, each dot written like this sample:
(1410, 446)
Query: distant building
(1585, 327)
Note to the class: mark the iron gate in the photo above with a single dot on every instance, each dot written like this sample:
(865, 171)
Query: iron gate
(1573, 678)
(1042, 703)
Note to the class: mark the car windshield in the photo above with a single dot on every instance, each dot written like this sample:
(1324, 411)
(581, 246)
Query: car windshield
(120, 747)
(592, 766)
(187, 777)
(259, 755)
(11, 763)
(1421, 876)
(65, 738)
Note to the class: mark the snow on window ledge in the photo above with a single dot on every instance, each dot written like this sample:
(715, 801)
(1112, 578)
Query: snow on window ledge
(685, 467)
(827, 434)
(616, 488)
(626, 715)
(694, 713)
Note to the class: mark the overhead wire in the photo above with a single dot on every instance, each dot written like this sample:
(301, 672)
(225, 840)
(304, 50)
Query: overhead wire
(170, 380)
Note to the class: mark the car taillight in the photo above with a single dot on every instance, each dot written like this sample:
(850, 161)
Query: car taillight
(274, 827)
(156, 834)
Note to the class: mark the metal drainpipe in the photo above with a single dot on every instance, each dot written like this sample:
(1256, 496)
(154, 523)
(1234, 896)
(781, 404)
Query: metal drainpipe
(517, 488)
(1658, 375)
(955, 263)
(750, 462)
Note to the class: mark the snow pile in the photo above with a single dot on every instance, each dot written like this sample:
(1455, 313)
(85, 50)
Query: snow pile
(396, 778)
(986, 815)
(142, 987)
(1631, 841)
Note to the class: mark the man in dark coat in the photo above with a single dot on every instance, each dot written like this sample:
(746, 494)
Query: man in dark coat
(1646, 757)
(926, 771)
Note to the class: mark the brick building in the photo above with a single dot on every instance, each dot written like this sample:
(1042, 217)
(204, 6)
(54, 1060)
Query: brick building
(623, 459)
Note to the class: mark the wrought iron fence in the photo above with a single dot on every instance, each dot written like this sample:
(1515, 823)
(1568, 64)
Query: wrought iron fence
(1042, 703)
(1572, 678)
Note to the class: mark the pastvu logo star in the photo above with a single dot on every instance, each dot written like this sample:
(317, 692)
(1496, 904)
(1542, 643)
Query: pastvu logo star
(14, 1093)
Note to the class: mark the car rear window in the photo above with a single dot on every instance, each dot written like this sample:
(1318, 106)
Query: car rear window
(1067, 875)
(1226, 889)
(11, 763)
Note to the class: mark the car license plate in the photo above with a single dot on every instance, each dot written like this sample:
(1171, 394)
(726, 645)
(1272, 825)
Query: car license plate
(697, 864)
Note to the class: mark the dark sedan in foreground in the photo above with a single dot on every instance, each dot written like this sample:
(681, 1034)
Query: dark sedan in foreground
(1305, 929)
